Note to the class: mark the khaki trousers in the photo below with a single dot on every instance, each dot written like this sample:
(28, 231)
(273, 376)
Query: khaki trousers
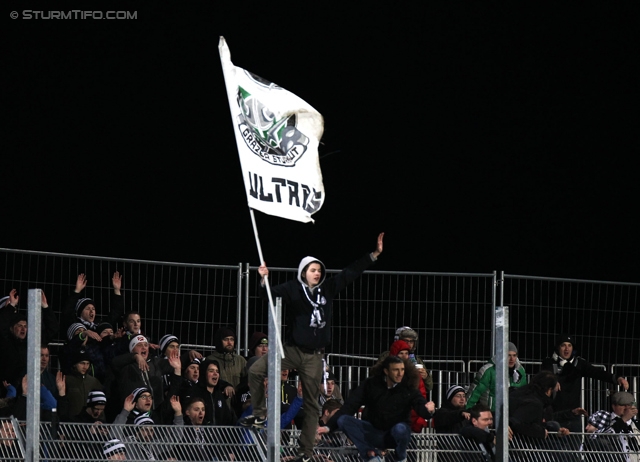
(309, 367)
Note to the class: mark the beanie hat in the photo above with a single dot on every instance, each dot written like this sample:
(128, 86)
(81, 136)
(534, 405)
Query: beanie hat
(562, 338)
(138, 391)
(81, 305)
(454, 390)
(73, 328)
(398, 346)
(81, 355)
(221, 333)
(257, 338)
(226, 332)
(135, 340)
(193, 361)
(143, 419)
(165, 341)
(96, 397)
(113, 447)
(102, 326)
(17, 317)
(512, 347)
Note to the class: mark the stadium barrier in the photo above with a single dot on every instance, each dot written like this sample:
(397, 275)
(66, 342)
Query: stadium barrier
(86, 442)
(453, 313)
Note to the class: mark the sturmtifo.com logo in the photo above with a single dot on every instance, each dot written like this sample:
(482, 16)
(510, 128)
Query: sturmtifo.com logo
(276, 141)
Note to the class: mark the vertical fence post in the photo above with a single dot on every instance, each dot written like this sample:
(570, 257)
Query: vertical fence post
(34, 329)
(244, 275)
(239, 298)
(502, 383)
(498, 291)
(274, 386)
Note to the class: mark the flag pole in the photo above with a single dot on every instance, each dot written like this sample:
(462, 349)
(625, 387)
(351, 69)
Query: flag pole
(266, 283)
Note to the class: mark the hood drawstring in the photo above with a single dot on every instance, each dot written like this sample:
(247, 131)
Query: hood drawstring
(318, 312)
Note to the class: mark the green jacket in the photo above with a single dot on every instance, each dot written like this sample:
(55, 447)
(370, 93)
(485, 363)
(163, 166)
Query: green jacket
(483, 388)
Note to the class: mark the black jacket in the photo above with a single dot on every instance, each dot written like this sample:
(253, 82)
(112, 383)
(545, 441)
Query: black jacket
(216, 410)
(528, 407)
(309, 326)
(384, 407)
(448, 419)
(482, 438)
(570, 376)
(13, 361)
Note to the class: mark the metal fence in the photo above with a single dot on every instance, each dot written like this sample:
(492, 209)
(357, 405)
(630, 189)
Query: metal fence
(86, 442)
(603, 316)
(189, 301)
(452, 313)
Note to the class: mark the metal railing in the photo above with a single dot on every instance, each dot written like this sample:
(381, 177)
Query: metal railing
(452, 313)
(66, 441)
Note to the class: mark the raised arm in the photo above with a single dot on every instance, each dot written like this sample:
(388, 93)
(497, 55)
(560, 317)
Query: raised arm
(263, 271)
(7, 312)
(50, 324)
(14, 298)
(378, 250)
(276, 291)
(81, 283)
(116, 282)
(116, 310)
(68, 315)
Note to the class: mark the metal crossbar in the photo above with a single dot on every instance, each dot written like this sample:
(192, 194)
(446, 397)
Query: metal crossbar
(576, 447)
(66, 441)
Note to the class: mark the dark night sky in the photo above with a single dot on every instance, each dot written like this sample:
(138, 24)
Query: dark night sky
(478, 137)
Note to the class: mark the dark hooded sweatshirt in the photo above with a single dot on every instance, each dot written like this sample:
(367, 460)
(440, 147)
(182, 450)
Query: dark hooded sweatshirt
(309, 311)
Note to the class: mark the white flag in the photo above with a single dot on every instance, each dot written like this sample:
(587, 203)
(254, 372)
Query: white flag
(277, 134)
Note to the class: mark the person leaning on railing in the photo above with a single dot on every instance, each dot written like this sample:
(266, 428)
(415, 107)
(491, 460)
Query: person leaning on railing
(149, 442)
(529, 407)
(570, 369)
(478, 430)
(388, 397)
(620, 420)
(450, 417)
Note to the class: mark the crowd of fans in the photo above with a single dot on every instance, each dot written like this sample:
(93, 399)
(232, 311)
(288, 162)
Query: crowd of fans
(111, 372)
